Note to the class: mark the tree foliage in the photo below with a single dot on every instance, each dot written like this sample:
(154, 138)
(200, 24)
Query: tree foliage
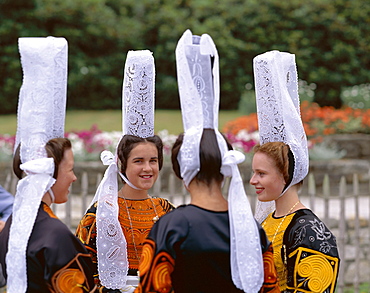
(330, 39)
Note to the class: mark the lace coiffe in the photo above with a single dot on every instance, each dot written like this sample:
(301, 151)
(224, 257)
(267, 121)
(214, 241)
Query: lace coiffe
(278, 112)
(41, 115)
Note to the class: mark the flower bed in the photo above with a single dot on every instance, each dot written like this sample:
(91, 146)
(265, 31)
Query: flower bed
(319, 123)
(88, 144)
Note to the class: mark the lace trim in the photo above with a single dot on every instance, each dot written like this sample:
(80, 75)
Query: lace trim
(110, 241)
(42, 97)
(30, 190)
(138, 94)
(245, 244)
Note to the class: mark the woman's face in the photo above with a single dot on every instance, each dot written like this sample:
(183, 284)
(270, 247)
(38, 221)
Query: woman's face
(266, 179)
(65, 177)
(142, 165)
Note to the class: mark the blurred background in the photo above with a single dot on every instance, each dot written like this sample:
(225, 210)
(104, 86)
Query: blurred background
(330, 38)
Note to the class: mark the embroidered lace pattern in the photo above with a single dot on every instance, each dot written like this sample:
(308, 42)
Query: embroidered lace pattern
(138, 94)
(41, 113)
(198, 81)
(278, 112)
(111, 243)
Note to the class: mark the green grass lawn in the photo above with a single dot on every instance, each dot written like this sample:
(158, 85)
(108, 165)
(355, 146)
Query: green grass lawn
(111, 120)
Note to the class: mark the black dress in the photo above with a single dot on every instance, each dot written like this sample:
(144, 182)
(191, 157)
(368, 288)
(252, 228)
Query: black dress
(188, 250)
(56, 260)
(305, 252)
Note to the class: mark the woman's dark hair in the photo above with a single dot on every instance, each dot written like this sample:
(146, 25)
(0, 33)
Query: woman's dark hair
(210, 157)
(128, 142)
(54, 149)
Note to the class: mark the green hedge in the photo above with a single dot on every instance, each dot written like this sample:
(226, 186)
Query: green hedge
(329, 37)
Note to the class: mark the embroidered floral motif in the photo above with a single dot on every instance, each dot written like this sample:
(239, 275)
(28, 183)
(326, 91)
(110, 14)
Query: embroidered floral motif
(300, 235)
(325, 247)
(111, 230)
(320, 229)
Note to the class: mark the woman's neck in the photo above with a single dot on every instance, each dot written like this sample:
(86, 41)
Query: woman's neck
(288, 203)
(129, 193)
(207, 196)
(47, 199)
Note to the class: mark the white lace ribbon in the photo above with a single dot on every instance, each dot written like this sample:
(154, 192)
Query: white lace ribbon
(245, 245)
(30, 191)
(111, 242)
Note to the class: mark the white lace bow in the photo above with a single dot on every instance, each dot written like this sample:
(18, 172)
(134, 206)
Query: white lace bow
(30, 191)
(198, 81)
(276, 83)
(111, 242)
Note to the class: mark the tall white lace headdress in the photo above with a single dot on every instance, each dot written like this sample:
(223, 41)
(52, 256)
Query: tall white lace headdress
(278, 112)
(137, 120)
(41, 115)
(198, 81)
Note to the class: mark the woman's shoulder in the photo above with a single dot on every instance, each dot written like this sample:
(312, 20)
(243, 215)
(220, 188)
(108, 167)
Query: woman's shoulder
(306, 218)
(303, 217)
(164, 203)
(308, 230)
(88, 220)
(175, 218)
(50, 231)
(90, 214)
(92, 209)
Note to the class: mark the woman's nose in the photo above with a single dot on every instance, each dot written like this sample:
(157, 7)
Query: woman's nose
(253, 180)
(146, 166)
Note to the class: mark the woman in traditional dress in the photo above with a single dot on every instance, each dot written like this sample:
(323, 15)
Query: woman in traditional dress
(38, 252)
(212, 244)
(56, 260)
(305, 251)
(141, 160)
(115, 226)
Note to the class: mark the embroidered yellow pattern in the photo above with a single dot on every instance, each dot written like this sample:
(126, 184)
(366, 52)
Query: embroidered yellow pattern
(271, 225)
(314, 270)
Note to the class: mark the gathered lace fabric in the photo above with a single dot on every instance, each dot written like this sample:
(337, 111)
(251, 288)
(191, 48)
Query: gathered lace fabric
(43, 95)
(111, 243)
(245, 245)
(276, 83)
(41, 114)
(198, 81)
(138, 94)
